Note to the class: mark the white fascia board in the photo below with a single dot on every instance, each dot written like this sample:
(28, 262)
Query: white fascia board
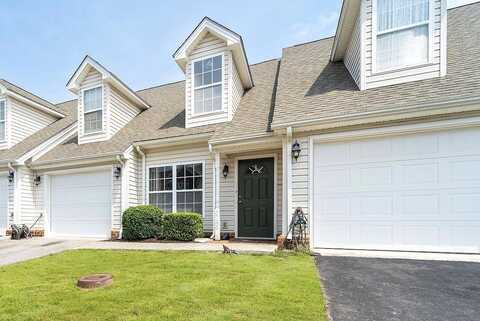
(88, 62)
(76, 161)
(49, 144)
(444, 107)
(346, 23)
(178, 140)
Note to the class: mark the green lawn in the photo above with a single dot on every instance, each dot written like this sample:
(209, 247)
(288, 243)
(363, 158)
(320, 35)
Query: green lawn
(163, 286)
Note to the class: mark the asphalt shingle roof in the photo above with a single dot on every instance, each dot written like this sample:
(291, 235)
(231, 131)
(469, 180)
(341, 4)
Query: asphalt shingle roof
(311, 87)
(166, 118)
(304, 84)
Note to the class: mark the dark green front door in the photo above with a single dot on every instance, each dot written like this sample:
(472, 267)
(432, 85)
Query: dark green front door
(256, 198)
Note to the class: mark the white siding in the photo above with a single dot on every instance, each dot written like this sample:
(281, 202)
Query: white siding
(353, 54)
(23, 121)
(237, 91)
(209, 45)
(4, 144)
(134, 172)
(120, 109)
(403, 75)
(116, 201)
(300, 178)
(11, 191)
(91, 80)
(196, 154)
(31, 198)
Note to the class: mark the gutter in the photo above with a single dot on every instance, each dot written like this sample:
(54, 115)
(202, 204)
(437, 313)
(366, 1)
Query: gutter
(383, 112)
(174, 140)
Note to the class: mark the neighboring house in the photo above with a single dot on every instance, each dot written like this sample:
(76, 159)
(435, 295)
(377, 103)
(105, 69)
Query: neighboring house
(386, 115)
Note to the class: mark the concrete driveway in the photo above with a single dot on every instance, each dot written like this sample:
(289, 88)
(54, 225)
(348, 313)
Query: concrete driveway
(370, 289)
(13, 251)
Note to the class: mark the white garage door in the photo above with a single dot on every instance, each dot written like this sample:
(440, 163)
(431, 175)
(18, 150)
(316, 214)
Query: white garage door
(418, 192)
(3, 204)
(80, 204)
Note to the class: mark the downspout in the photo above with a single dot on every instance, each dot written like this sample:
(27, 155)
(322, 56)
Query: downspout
(123, 192)
(144, 171)
(289, 195)
(16, 198)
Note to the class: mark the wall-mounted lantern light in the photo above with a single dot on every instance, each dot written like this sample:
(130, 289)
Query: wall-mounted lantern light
(117, 172)
(11, 176)
(296, 150)
(36, 180)
(225, 170)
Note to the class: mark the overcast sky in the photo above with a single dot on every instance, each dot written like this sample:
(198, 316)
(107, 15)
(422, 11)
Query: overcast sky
(42, 42)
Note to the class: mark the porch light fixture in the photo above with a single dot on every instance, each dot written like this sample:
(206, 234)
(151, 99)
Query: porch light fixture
(37, 179)
(11, 176)
(296, 150)
(225, 170)
(117, 172)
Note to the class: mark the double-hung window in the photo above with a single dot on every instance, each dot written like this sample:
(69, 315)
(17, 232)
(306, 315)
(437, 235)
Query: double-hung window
(93, 110)
(3, 121)
(402, 38)
(177, 188)
(207, 83)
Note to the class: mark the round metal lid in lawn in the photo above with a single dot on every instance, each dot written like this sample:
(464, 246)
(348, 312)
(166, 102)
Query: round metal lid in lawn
(95, 281)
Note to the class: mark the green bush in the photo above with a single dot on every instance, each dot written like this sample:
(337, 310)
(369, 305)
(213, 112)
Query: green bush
(182, 226)
(142, 222)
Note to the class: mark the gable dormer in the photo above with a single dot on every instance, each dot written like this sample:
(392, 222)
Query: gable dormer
(216, 71)
(387, 42)
(22, 114)
(105, 103)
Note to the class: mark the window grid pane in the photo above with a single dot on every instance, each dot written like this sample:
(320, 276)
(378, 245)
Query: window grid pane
(400, 13)
(93, 121)
(188, 187)
(2, 131)
(403, 48)
(207, 84)
(92, 99)
(2, 111)
(407, 46)
(3, 116)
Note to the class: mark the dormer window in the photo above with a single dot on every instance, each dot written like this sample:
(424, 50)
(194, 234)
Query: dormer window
(402, 38)
(93, 110)
(3, 121)
(208, 85)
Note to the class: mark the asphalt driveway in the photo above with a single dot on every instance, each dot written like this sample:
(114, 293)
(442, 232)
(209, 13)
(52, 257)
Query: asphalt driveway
(371, 289)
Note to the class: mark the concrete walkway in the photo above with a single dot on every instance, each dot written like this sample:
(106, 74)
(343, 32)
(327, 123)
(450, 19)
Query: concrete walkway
(18, 251)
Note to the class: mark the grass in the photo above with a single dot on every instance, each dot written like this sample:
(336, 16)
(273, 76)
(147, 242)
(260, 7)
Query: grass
(163, 286)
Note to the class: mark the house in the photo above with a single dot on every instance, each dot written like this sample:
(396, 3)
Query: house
(385, 116)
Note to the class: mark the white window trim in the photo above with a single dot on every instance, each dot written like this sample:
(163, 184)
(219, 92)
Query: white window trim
(174, 183)
(192, 91)
(375, 34)
(4, 120)
(94, 110)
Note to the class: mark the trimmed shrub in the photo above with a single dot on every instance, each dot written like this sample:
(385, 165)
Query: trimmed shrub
(142, 222)
(182, 226)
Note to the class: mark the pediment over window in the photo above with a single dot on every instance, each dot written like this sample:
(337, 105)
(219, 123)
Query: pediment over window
(233, 41)
(87, 65)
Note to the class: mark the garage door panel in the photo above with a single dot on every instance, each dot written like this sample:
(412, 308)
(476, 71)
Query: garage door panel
(416, 192)
(81, 204)
(82, 196)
